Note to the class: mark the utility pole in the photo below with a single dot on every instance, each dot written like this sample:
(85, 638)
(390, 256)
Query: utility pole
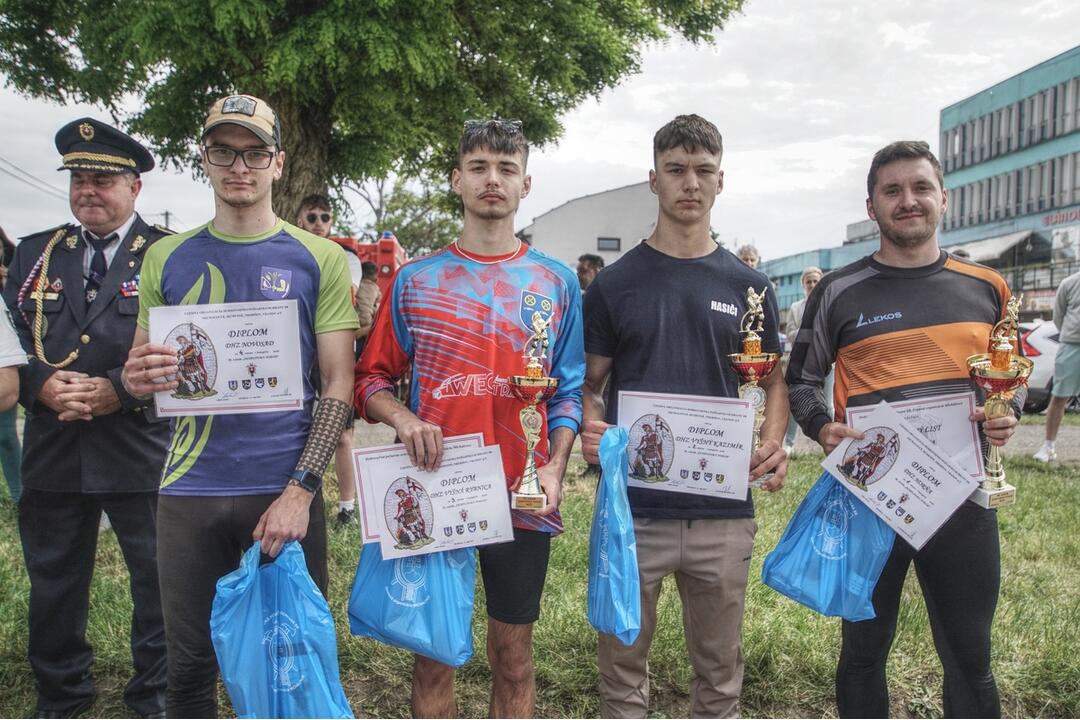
(167, 214)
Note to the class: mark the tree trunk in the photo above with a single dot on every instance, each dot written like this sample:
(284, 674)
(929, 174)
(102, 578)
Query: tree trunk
(305, 138)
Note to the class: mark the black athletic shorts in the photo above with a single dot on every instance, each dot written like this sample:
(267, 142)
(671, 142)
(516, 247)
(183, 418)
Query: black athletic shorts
(514, 575)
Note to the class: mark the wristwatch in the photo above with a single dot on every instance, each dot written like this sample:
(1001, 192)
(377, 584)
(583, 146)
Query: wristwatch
(310, 481)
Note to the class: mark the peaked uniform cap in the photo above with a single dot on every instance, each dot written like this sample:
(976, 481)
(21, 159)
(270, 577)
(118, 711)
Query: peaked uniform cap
(89, 144)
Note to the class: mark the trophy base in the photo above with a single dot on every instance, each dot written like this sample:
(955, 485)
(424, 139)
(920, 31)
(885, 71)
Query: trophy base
(994, 498)
(528, 501)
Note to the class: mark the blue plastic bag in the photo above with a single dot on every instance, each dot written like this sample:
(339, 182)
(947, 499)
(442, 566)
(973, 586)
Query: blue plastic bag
(422, 603)
(614, 585)
(275, 642)
(831, 554)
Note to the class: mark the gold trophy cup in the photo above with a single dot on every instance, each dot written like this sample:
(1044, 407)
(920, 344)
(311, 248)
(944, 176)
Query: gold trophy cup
(752, 364)
(999, 371)
(532, 388)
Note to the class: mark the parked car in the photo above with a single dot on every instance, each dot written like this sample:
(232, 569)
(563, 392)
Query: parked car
(1039, 342)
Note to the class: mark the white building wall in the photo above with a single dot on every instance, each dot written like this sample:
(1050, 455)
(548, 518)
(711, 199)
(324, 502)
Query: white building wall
(566, 232)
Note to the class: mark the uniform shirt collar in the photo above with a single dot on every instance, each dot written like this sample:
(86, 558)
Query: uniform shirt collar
(120, 232)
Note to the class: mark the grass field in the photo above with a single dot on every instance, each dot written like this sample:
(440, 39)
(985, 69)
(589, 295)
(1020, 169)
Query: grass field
(790, 651)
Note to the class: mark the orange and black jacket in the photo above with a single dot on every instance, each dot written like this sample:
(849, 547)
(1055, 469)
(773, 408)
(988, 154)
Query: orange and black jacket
(894, 334)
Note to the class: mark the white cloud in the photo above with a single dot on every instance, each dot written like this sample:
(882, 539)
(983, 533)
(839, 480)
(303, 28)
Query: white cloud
(968, 59)
(911, 37)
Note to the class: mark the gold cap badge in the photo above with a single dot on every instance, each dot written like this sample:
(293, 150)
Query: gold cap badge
(86, 131)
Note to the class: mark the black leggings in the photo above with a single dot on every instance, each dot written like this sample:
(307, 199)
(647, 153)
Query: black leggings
(959, 571)
(199, 540)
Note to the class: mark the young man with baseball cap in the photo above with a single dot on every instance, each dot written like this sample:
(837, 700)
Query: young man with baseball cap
(215, 500)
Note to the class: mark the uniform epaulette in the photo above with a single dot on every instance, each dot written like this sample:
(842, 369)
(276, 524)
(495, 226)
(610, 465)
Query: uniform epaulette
(47, 233)
(163, 230)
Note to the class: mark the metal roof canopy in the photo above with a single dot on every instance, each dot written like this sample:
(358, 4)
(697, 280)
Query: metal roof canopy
(992, 248)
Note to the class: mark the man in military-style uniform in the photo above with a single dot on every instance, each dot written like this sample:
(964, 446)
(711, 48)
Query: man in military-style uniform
(73, 292)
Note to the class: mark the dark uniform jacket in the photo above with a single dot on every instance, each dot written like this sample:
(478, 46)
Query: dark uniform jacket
(120, 452)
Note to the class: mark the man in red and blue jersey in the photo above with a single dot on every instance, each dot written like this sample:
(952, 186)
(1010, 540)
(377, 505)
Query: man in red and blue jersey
(458, 320)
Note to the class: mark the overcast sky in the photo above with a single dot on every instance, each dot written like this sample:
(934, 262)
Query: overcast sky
(803, 93)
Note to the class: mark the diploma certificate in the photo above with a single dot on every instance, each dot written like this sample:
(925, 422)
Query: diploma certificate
(462, 504)
(903, 478)
(688, 443)
(232, 358)
(369, 461)
(943, 420)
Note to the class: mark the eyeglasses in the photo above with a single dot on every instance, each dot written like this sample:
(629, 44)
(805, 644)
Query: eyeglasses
(511, 126)
(225, 157)
(312, 217)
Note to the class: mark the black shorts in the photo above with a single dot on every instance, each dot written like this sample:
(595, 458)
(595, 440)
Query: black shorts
(514, 574)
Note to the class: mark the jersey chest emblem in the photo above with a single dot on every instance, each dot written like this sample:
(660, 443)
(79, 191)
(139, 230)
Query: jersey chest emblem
(274, 282)
(532, 303)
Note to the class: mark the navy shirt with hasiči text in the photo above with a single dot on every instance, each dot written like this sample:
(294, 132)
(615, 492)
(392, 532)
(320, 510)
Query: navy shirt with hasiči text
(668, 325)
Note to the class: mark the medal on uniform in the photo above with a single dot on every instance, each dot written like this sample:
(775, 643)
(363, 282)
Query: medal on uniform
(137, 243)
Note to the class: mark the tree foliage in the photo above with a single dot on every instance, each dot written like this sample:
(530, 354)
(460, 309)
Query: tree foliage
(363, 88)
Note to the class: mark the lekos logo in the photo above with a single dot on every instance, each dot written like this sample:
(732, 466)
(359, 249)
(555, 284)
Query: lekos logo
(863, 321)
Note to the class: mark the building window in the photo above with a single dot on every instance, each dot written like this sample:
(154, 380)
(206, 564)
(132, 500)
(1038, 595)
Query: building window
(609, 243)
(1018, 189)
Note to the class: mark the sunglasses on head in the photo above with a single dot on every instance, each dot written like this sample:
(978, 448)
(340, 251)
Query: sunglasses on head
(511, 126)
(312, 217)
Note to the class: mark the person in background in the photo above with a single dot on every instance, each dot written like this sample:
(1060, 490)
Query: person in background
(749, 255)
(10, 450)
(368, 296)
(1066, 362)
(317, 217)
(588, 266)
(810, 278)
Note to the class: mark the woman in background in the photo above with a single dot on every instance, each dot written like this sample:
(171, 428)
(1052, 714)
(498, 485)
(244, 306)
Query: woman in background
(10, 450)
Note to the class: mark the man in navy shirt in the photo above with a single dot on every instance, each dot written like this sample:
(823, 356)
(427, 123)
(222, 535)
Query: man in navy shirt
(663, 319)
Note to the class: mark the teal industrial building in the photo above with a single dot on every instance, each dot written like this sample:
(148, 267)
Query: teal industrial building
(1011, 156)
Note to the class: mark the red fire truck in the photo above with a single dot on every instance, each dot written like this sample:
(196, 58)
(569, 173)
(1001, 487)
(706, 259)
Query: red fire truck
(385, 252)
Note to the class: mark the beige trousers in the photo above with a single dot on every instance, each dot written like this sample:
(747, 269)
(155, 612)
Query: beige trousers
(711, 561)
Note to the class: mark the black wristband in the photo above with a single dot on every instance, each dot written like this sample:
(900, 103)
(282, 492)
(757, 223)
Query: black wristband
(312, 482)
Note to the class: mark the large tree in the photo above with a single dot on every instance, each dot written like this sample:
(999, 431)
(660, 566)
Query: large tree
(362, 88)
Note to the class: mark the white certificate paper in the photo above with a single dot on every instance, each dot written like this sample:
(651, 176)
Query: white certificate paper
(368, 462)
(462, 504)
(905, 479)
(688, 443)
(943, 420)
(233, 358)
